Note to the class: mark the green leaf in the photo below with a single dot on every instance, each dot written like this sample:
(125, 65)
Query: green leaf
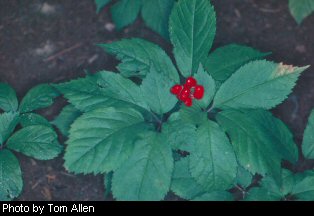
(37, 141)
(204, 79)
(120, 89)
(39, 97)
(304, 186)
(182, 183)
(8, 100)
(185, 186)
(146, 175)
(10, 176)
(193, 115)
(180, 135)
(215, 196)
(262, 194)
(244, 177)
(260, 140)
(84, 99)
(277, 132)
(289, 180)
(308, 138)
(298, 186)
(192, 32)
(65, 119)
(156, 15)
(224, 61)
(8, 122)
(108, 183)
(102, 139)
(270, 190)
(125, 12)
(300, 9)
(30, 119)
(155, 89)
(258, 84)
(101, 4)
(138, 56)
(212, 161)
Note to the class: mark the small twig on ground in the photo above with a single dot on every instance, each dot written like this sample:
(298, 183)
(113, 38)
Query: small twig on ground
(67, 174)
(39, 181)
(237, 12)
(266, 10)
(53, 57)
(46, 193)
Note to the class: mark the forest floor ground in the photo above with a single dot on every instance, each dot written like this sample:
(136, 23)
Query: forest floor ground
(51, 41)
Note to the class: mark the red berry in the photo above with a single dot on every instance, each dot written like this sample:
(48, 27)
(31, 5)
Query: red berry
(185, 93)
(198, 92)
(190, 82)
(176, 89)
(188, 102)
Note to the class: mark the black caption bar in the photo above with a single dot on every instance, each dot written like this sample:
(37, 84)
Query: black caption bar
(87, 208)
(46, 207)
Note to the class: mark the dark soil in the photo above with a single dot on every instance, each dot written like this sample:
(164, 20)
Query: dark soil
(44, 44)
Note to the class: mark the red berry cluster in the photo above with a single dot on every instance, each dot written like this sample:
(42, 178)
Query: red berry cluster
(188, 91)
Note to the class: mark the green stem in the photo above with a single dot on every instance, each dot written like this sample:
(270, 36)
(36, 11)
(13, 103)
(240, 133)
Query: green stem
(210, 108)
(159, 121)
(242, 190)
